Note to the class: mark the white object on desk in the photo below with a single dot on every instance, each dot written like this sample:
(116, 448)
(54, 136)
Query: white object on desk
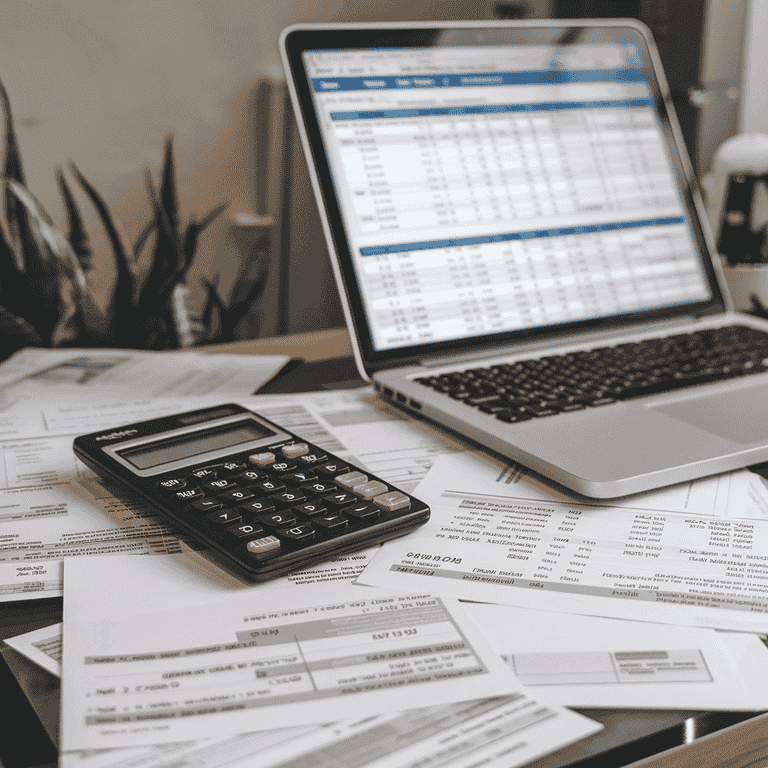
(293, 656)
(513, 540)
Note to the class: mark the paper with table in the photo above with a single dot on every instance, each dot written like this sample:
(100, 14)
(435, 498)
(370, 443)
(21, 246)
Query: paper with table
(71, 375)
(288, 656)
(682, 555)
(58, 508)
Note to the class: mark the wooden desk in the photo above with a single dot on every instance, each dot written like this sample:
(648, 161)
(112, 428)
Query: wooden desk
(313, 346)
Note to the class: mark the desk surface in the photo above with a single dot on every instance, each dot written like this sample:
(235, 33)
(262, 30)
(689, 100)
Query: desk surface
(629, 735)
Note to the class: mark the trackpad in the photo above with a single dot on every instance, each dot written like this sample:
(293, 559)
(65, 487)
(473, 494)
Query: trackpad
(740, 415)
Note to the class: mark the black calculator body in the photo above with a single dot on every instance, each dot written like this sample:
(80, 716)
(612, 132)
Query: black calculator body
(262, 498)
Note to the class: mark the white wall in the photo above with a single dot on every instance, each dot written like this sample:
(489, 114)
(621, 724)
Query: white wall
(103, 81)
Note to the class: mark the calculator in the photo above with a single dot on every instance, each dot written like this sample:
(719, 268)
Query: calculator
(265, 501)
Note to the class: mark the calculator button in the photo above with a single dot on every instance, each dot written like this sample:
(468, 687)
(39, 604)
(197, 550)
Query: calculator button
(368, 490)
(171, 486)
(205, 505)
(302, 533)
(205, 473)
(264, 548)
(297, 478)
(332, 469)
(218, 486)
(269, 486)
(230, 467)
(350, 480)
(236, 495)
(293, 450)
(362, 511)
(277, 519)
(257, 507)
(310, 509)
(280, 467)
(392, 501)
(189, 494)
(245, 529)
(225, 517)
(249, 477)
(331, 522)
(261, 459)
(288, 498)
(318, 487)
(340, 499)
(309, 459)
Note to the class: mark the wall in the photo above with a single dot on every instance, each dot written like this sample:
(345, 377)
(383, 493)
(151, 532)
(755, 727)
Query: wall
(103, 82)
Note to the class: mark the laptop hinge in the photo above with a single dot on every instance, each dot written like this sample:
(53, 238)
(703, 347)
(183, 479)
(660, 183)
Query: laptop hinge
(609, 335)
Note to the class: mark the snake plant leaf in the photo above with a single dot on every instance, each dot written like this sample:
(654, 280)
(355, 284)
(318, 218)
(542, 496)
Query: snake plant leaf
(168, 197)
(122, 327)
(13, 169)
(195, 229)
(77, 234)
(40, 267)
(16, 333)
(79, 315)
(141, 240)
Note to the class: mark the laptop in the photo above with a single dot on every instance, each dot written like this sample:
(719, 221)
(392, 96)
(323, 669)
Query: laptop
(521, 248)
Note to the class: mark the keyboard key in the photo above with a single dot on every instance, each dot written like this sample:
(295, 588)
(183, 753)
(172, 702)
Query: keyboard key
(318, 487)
(225, 517)
(189, 494)
(218, 486)
(236, 496)
(206, 473)
(331, 522)
(350, 480)
(310, 509)
(205, 505)
(301, 533)
(297, 478)
(339, 499)
(277, 519)
(362, 511)
(310, 459)
(172, 486)
(392, 501)
(331, 469)
(368, 490)
(245, 529)
(280, 467)
(230, 467)
(262, 459)
(249, 477)
(257, 507)
(294, 450)
(288, 498)
(269, 486)
(264, 548)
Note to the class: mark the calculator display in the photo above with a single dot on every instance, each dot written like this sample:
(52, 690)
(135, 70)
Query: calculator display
(193, 444)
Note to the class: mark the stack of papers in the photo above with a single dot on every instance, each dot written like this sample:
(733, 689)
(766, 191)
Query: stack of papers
(465, 641)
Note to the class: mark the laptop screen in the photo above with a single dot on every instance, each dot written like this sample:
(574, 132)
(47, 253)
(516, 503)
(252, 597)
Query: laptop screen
(502, 188)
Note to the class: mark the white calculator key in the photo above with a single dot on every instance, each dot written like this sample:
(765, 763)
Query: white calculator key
(349, 480)
(262, 459)
(368, 490)
(391, 501)
(293, 450)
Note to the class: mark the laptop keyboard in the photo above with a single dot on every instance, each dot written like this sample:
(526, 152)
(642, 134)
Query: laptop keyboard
(546, 386)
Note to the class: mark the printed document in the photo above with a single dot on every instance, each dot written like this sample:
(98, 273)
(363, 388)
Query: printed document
(513, 542)
(589, 661)
(56, 375)
(289, 656)
(571, 660)
(502, 733)
(56, 508)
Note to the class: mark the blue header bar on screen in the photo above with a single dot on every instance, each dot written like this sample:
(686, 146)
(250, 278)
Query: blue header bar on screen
(484, 109)
(376, 250)
(474, 79)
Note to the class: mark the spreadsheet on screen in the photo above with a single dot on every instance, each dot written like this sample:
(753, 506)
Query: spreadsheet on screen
(504, 189)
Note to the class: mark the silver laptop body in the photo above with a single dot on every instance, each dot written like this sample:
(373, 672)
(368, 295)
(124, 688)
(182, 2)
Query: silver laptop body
(498, 192)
